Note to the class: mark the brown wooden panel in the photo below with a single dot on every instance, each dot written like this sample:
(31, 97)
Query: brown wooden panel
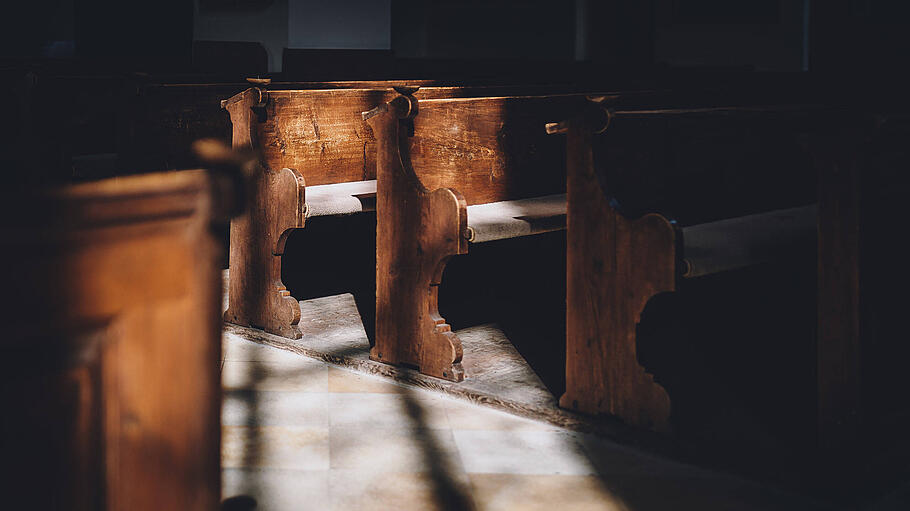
(491, 149)
(320, 132)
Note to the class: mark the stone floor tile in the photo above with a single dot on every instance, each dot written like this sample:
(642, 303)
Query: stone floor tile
(299, 375)
(286, 447)
(270, 408)
(394, 450)
(521, 452)
(463, 415)
(535, 492)
(267, 489)
(342, 380)
(409, 409)
(236, 348)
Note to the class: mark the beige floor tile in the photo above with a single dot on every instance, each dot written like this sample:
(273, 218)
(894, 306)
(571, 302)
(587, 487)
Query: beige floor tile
(342, 380)
(394, 450)
(300, 374)
(283, 447)
(277, 489)
(468, 416)
(496, 492)
(377, 490)
(521, 452)
(410, 409)
(268, 408)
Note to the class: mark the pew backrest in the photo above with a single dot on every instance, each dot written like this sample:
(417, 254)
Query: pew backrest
(705, 164)
(321, 134)
(491, 149)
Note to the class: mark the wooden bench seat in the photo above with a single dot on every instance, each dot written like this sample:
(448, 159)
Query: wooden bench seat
(452, 171)
(515, 218)
(658, 195)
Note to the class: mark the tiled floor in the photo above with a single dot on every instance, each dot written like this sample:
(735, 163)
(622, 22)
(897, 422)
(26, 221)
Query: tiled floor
(299, 434)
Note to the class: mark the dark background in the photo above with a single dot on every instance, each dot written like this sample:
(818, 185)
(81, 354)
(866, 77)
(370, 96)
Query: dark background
(763, 35)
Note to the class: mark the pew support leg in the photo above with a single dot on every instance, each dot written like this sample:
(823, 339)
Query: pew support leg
(410, 329)
(417, 231)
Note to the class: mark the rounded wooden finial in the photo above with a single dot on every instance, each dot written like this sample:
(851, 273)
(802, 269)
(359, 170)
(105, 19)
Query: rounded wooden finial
(259, 82)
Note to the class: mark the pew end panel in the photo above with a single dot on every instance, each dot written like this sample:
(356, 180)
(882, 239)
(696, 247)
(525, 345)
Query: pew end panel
(417, 232)
(256, 295)
(614, 266)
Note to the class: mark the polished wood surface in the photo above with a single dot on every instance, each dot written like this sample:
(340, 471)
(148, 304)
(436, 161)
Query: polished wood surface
(112, 345)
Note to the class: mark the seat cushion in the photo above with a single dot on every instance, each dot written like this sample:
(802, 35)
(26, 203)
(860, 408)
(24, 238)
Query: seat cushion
(340, 198)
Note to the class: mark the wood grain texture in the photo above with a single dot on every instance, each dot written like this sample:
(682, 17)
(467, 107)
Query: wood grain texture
(491, 149)
(417, 231)
(112, 345)
(316, 137)
(614, 266)
(166, 118)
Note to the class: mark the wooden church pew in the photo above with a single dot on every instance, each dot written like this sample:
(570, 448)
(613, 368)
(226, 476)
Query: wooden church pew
(111, 345)
(655, 196)
(318, 158)
(452, 172)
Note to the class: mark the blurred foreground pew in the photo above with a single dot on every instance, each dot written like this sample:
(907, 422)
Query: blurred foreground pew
(110, 355)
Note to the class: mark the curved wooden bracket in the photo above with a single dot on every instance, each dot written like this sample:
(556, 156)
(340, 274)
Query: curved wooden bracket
(615, 265)
(417, 231)
(257, 296)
